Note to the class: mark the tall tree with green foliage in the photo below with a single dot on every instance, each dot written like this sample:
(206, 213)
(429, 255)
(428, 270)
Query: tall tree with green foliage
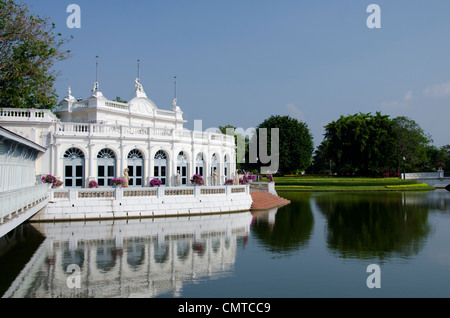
(28, 50)
(411, 143)
(295, 143)
(361, 144)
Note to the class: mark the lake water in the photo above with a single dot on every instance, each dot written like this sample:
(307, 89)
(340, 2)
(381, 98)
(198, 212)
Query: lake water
(320, 245)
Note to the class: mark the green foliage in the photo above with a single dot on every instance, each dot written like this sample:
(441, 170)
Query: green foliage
(360, 144)
(368, 145)
(295, 143)
(28, 51)
(410, 143)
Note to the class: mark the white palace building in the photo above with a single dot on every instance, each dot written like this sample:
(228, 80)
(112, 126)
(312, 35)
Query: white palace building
(97, 138)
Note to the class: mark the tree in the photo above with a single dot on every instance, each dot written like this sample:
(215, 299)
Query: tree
(360, 144)
(28, 51)
(321, 162)
(410, 142)
(295, 143)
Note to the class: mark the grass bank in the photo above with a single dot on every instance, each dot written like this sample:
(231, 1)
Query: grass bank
(305, 183)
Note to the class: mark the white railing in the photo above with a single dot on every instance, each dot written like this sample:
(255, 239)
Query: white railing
(117, 105)
(74, 194)
(139, 131)
(422, 175)
(15, 201)
(20, 114)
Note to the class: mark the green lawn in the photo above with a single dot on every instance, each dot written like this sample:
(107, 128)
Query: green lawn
(308, 183)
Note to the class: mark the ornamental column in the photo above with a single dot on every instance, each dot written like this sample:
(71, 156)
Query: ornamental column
(58, 168)
(122, 162)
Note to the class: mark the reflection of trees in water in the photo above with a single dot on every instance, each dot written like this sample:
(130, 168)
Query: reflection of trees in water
(374, 225)
(292, 227)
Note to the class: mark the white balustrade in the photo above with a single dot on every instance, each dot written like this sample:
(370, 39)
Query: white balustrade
(19, 115)
(16, 201)
(139, 131)
(74, 194)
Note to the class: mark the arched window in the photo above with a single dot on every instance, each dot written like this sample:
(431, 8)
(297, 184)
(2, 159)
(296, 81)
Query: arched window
(106, 153)
(106, 167)
(136, 168)
(160, 166)
(183, 167)
(73, 168)
(73, 153)
(199, 164)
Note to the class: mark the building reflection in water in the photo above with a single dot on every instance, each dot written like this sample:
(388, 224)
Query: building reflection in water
(131, 258)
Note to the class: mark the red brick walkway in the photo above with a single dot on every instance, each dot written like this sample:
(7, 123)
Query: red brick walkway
(263, 200)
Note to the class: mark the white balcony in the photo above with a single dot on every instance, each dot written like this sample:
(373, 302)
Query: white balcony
(139, 132)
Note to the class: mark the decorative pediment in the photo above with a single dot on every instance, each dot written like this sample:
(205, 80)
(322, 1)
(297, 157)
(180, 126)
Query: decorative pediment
(142, 106)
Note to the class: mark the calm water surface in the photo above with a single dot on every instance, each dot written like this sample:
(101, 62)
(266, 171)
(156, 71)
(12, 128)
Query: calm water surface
(318, 246)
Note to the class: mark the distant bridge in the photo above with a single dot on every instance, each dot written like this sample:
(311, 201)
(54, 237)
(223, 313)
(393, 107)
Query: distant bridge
(434, 179)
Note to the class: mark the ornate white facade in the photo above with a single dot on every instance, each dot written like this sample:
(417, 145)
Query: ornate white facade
(97, 138)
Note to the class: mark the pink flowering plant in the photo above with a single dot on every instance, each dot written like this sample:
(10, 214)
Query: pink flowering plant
(229, 182)
(117, 182)
(93, 184)
(51, 179)
(197, 179)
(155, 182)
(251, 177)
(269, 178)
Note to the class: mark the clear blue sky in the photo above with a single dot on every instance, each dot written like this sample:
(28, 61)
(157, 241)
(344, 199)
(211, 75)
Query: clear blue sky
(240, 61)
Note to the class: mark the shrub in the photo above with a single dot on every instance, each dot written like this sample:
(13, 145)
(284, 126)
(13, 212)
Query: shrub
(229, 182)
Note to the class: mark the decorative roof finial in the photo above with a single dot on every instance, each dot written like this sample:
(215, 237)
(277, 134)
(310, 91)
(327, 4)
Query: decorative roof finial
(138, 62)
(95, 89)
(174, 102)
